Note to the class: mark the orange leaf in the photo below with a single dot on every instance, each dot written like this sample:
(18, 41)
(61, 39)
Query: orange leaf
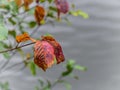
(57, 48)
(18, 2)
(22, 38)
(27, 3)
(43, 54)
(39, 14)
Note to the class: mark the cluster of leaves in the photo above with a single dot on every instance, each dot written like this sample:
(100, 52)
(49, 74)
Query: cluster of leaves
(14, 29)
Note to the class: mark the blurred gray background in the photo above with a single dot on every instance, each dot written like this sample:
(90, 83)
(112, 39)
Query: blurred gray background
(93, 42)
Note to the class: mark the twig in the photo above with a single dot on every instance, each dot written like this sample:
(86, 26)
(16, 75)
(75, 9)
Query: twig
(52, 85)
(3, 66)
(16, 64)
(16, 47)
(35, 30)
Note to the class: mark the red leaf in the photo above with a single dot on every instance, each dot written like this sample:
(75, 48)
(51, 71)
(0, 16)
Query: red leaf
(57, 48)
(43, 54)
(62, 6)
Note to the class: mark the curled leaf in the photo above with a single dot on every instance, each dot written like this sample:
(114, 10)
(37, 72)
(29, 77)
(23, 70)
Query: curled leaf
(43, 54)
(62, 6)
(23, 37)
(39, 13)
(57, 48)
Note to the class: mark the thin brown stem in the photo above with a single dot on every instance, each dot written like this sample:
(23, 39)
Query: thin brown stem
(16, 47)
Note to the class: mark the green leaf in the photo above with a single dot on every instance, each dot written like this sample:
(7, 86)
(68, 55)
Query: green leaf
(12, 21)
(50, 14)
(79, 13)
(4, 86)
(68, 86)
(32, 68)
(83, 14)
(42, 1)
(48, 84)
(1, 19)
(53, 8)
(31, 11)
(3, 32)
(81, 68)
(4, 2)
(13, 7)
(71, 62)
(32, 24)
(50, 1)
(74, 13)
(6, 55)
(69, 67)
(12, 33)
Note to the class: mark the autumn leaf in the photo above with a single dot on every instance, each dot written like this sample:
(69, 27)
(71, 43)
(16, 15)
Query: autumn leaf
(39, 14)
(37, 1)
(18, 2)
(27, 3)
(62, 7)
(43, 54)
(57, 48)
(22, 38)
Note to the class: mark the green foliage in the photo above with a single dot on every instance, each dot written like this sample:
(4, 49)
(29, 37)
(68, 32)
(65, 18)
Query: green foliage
(32, 67)
(50, 1)
(3, 32)
(2, 47)
(12, 33)
(4, 86)
(32, 24)
(12, 21)
(70, 66)
(79, 13)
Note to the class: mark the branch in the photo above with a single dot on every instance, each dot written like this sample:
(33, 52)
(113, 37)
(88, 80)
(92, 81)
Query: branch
(16, 47)
(16, 64)
(52, 85)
